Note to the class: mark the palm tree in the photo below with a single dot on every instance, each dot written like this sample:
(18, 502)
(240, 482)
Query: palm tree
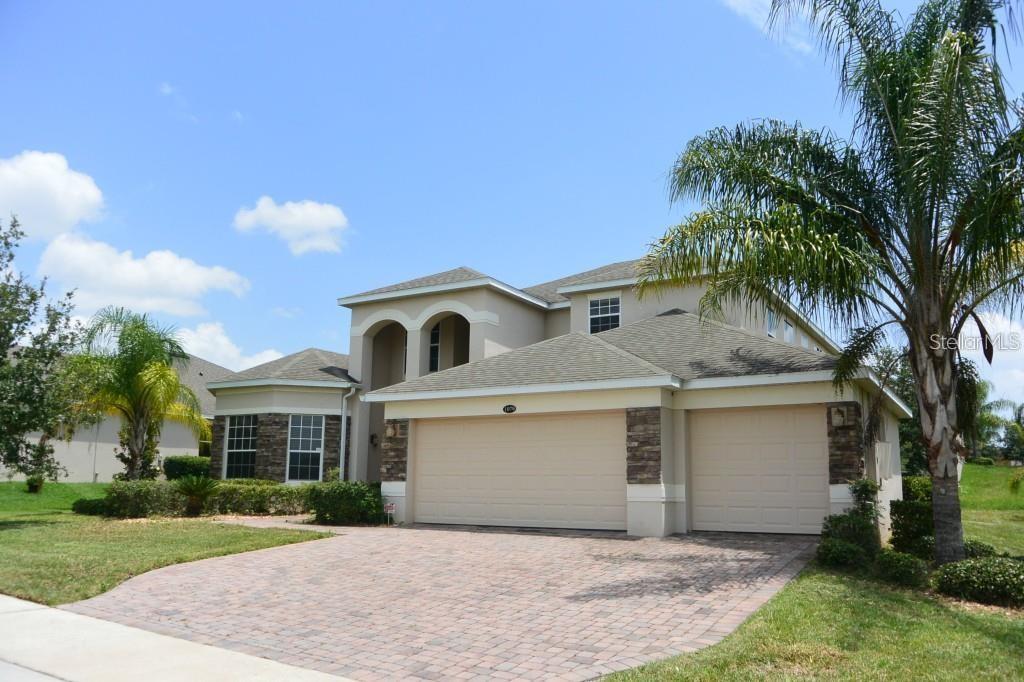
(138, 365)
(987, 423)
(911, 224)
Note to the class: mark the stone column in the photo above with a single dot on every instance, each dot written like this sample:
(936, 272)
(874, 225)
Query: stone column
(649, 510)
(845, 456)
(394, 467)
(217, 447)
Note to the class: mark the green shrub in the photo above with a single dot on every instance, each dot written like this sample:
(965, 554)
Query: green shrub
(89, 506)
(922, 547)
(34, 484)
(343, 502)
(989, 580)
(917, 488)
(179, 466)
(865, 497)
(976, 549)
(251, 481)
(910, 520)
(836, 553)
(983, 461)
(256, 496)
(853, 527)
(134, 499)
(196, 490)
(900, 568)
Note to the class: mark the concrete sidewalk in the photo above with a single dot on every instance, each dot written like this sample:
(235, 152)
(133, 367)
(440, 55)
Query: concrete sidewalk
(40, 643)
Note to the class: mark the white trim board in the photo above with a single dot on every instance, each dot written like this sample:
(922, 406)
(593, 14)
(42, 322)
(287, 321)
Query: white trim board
(441, 288)
(245, 383)
(661, 381)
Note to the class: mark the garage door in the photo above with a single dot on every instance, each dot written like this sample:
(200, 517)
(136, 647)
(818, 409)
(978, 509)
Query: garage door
(759, 470)
(552, 471)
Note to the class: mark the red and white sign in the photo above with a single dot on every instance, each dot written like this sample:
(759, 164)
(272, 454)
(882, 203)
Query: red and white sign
(389, 508)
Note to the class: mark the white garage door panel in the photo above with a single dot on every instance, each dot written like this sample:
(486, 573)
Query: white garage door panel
(759, 470)
(554, 471)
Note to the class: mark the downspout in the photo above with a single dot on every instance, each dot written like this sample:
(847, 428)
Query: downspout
(342, 450)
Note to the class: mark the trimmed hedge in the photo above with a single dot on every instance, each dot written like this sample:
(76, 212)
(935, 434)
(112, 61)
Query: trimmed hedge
(254, 496)
(917, 488)
(90, 506)
(837, 553)
(855, 528)
(343, 502)
(983, 461)
(990, 580)
(911, 520)
(976, 549)
(180, 466)
(135, 499)
(924, 548)
(900, 568)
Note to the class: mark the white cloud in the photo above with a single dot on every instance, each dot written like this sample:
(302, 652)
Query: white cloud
(1007, 369)
(166, 89)
(792, 34)
(210, 342)
(160, 281)
(46, 195)
(305, 225)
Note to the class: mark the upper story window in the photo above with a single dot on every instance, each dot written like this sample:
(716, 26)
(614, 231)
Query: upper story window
(771, 322)
(435, 348)
(789, 332)
(604, 314)
(240, 452)
(305, 447)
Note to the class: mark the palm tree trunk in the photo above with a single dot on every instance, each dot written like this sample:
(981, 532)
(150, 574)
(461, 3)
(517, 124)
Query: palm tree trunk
(934, 367)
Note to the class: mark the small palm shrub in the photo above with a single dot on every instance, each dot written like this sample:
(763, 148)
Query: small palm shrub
(901, 569)
(989, 580)
(196, 490)
(837, 553)
(855, 528)
(179, 466)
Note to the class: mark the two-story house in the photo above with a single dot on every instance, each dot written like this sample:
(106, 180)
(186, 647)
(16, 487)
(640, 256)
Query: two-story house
(568, 404)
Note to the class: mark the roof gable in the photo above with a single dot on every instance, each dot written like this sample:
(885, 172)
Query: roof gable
(311, 364)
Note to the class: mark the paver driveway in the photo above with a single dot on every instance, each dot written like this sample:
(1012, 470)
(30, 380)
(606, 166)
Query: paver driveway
(431, 603)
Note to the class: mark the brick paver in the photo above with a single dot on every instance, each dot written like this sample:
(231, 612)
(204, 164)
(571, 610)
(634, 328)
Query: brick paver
(432, 603)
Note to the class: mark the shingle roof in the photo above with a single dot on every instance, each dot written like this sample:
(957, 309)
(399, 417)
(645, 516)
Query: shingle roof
(675, 343)
(460, 274)
(548, 291)
(690, 348)
(196, 375)
(312, 364)
(564, 359)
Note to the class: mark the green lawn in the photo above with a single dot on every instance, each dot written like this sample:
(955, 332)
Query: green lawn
(49, 555)
(825, 625)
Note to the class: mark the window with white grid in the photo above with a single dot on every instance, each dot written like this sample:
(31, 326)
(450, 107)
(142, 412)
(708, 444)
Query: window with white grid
(305, 447)
(240, 453)
(604, 314)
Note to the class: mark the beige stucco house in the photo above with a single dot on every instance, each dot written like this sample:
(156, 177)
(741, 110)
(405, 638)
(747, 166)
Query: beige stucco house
(569, 404)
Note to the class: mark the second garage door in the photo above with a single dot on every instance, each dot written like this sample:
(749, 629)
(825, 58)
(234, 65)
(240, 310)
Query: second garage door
(759, 470)
(552, 471)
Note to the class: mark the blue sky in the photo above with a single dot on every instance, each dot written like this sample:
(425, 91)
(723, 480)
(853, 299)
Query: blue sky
(527, 140)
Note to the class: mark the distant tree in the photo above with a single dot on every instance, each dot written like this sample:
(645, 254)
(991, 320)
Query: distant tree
(40, 390)
(138, 379)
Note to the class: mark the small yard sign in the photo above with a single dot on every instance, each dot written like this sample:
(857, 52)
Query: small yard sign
(389, 508)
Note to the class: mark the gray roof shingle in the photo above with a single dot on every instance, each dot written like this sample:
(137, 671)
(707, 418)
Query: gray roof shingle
(196, 375)
(460, 274)
(548, 291)
(676, 343)
(312, 364)
(564, 359)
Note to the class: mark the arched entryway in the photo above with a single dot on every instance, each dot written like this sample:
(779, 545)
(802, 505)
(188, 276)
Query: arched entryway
(387, 342)
(445, 339)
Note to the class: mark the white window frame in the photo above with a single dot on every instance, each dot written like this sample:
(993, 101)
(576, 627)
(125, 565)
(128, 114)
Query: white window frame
(771, 322)
(288, 453)
(431, 345)
(227, 439)
(604, 296)
(788, 331)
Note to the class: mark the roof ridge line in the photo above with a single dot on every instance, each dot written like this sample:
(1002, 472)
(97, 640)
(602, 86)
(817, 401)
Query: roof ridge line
(751, 334)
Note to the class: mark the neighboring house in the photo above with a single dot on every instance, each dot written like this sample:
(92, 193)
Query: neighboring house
(89, 455)
(567, 404)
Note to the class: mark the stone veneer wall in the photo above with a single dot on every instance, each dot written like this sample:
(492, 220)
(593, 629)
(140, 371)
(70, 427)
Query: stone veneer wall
(643, 445)
(845, 455)
(272, 445)
(394, 451)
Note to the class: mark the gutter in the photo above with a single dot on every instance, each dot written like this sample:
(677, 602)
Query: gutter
(342, 450)
(659, 381)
